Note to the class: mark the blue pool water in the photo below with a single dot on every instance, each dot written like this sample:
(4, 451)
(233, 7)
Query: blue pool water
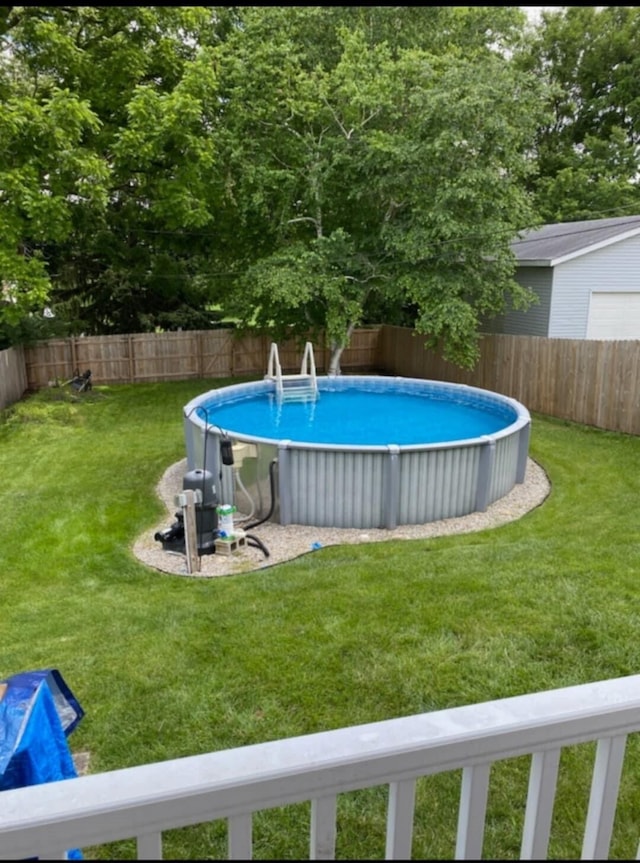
(354, 417)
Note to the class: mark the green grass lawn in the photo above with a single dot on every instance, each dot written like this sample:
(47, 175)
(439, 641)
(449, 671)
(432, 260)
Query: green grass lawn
(168, 666)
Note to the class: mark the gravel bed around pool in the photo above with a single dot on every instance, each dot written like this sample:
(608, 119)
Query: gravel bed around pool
(287, 542)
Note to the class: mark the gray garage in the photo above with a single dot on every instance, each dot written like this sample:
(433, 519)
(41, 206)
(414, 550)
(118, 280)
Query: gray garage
(587, 278)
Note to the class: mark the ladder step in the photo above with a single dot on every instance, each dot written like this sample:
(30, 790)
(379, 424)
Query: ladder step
(300, 383)
(305, 394)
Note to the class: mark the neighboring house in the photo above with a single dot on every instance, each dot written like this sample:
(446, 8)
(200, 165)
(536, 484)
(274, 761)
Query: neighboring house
(587, 278)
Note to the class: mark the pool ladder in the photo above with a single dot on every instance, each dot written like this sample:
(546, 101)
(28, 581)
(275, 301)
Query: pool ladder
(294, 388)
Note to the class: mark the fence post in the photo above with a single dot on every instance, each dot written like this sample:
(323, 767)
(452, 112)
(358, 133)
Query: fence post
(199, 353)
(13, 376)
(188, 499)
(130, 356)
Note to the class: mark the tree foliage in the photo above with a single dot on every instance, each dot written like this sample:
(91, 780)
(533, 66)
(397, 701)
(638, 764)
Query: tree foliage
(304, 168)
(378, 175)
(588, 151)
(106, 163)
(46, 169)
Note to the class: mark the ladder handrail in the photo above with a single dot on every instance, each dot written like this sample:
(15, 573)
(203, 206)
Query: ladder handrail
(274, 362)
(309, 362)
(307, 370)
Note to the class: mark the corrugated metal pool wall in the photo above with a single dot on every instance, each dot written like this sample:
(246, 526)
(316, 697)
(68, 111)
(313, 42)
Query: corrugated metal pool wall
(369, 486)
(387, 488)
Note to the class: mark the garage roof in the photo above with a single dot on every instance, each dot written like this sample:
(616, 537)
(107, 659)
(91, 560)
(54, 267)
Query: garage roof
(554, 244)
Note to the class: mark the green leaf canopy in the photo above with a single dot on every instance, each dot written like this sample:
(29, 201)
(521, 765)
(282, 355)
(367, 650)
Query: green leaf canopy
(377, 177)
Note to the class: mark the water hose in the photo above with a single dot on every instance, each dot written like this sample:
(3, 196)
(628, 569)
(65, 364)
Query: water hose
(256, 543)
(248, 517)
(273, 464)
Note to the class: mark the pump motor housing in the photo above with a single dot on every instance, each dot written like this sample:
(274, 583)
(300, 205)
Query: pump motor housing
(173, 539)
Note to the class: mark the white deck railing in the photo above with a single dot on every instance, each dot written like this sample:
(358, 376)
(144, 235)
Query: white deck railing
(144, 801)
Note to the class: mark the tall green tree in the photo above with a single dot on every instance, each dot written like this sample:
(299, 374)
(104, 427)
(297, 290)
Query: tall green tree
(375, 175)
(307, 167)
(588, 152)
(106, 163)
(46, 171)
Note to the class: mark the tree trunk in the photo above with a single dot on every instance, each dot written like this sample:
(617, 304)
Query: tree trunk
(336, 351)
(334, 362)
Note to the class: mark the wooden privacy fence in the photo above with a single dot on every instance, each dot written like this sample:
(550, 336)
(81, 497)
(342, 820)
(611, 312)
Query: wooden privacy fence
(591, 382)
(13, 376)
(150, 357)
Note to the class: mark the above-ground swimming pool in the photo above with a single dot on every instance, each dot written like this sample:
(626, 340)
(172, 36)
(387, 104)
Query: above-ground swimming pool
(370, 452)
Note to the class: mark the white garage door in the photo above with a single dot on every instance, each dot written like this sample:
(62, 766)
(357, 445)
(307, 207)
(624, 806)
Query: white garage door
(614, 315)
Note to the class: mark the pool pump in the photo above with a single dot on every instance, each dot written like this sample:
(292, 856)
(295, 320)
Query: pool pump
(172, 538)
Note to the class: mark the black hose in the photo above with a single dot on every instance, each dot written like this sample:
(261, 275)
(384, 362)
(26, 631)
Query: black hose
(273, 464)
(256, 543)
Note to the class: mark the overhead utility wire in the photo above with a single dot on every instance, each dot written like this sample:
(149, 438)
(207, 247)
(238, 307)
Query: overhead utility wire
(435, 243)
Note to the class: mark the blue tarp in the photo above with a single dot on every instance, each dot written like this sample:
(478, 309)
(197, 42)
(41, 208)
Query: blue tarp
(37, 714)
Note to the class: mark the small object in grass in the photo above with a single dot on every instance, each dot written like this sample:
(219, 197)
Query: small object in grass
(81, 383)
(315, 546)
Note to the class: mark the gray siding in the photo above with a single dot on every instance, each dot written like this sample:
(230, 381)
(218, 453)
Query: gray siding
(613, 268)
(535, 320)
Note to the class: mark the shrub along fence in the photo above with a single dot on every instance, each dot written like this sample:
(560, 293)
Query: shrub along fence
(591, 382)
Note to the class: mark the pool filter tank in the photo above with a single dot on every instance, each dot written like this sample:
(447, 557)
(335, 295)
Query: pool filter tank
(172, 538)
(206, 513)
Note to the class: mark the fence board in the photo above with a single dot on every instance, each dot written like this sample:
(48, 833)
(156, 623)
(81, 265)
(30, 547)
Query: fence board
(175, 357)
(13, 376)
(48, 361)
(150, 357)
(628, 413)
(362, 353)
(217, 353)
(110, 358)
(249, 355)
